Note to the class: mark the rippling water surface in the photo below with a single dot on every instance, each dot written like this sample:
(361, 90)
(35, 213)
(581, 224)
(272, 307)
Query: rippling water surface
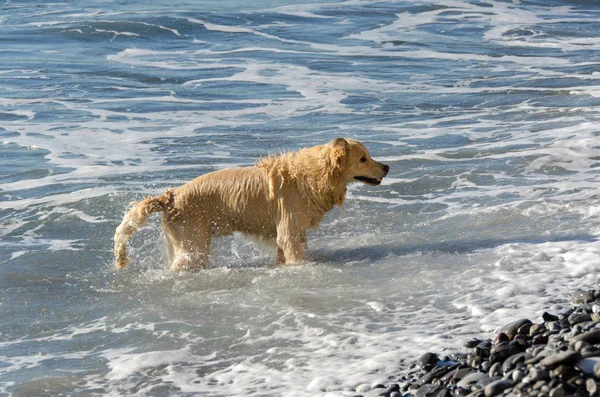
(486, 111)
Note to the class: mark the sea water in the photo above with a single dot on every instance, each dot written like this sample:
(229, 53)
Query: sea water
(487, 113)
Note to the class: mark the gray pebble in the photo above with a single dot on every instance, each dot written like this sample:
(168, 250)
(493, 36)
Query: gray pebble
(449, 375)
(495, 370)
(512, 361)
(592, 337)
(471, 379)
(558, 391)
(549, 317)
(435, 373)
(511, 329)
(569, 357)
(485, 366)
(536, 329)
(517, 375)
(580, 345)
(580, 297)
(427, 390)
(472, 343)
(427, 361)
(577, 318)
(553, 326)
(537, 374)
(524, 329)
(497, 387)
(459, 374)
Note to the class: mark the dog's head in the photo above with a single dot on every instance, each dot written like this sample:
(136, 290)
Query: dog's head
(355, 162)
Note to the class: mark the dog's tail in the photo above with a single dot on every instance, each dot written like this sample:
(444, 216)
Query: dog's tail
(136, 218)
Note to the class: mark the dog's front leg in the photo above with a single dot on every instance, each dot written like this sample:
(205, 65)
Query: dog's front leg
(291, 225)
(291, 245)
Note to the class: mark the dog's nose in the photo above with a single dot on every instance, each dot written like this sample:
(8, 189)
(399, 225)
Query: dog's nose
(386, 168)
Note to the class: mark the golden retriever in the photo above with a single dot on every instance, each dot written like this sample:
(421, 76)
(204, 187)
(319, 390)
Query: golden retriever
(277, 199)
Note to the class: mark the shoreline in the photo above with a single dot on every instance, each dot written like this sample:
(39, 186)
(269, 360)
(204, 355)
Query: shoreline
(557, 357)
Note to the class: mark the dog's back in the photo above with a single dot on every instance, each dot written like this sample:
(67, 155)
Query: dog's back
(229, 200)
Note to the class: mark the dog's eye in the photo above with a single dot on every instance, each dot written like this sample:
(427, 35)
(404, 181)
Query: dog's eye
(363, 159)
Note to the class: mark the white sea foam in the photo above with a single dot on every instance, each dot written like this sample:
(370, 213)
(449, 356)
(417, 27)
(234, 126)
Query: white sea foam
(488, 214)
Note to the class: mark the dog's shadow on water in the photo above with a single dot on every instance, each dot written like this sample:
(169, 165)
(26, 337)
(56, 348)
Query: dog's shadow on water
(381, 251)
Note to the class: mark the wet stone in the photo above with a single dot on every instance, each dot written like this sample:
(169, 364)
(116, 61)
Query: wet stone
(483, 382)
(475, 362)
(540, 339)
(449, 375)
(524, 329)
(536, 329)
(538, 385)
(500, 352)
(558, 391)
(427, 390)
(549, 317)
(580, 297)
(558, 357)
(482, 351)
(427, 361)
(537, 350)
(590, 351)
(485, 366)
(517, 376)
(471, 379)
(394, 387)
(592, 337)
(472, 343)
(511, 329)
(461, 356)
(580, 345)
(553, 326)
(512, 361)
(569, 357)
(577, 329)
(461, 373)
(495, 370)
(497, 387)
(435, 373)
(577, 318)
(537, 374)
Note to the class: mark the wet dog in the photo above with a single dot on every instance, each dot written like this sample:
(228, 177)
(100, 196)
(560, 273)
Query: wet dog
(279, 198)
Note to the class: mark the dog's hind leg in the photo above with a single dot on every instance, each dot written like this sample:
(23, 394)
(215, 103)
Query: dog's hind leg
(192, 252)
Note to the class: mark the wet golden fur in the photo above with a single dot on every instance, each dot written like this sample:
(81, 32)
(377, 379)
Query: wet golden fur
(278, 199)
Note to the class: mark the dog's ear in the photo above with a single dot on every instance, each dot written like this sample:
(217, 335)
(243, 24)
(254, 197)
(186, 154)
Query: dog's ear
(339, 153)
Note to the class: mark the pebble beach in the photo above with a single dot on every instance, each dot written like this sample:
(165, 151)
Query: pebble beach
(557, 356)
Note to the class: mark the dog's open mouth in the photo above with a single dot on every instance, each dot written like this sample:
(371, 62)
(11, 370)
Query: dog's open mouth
(367, 180)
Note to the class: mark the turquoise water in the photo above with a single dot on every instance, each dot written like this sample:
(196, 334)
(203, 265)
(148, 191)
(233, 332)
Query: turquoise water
(486, 111)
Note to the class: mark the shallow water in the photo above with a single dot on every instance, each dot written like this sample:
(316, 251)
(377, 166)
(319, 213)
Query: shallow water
(486, 111)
